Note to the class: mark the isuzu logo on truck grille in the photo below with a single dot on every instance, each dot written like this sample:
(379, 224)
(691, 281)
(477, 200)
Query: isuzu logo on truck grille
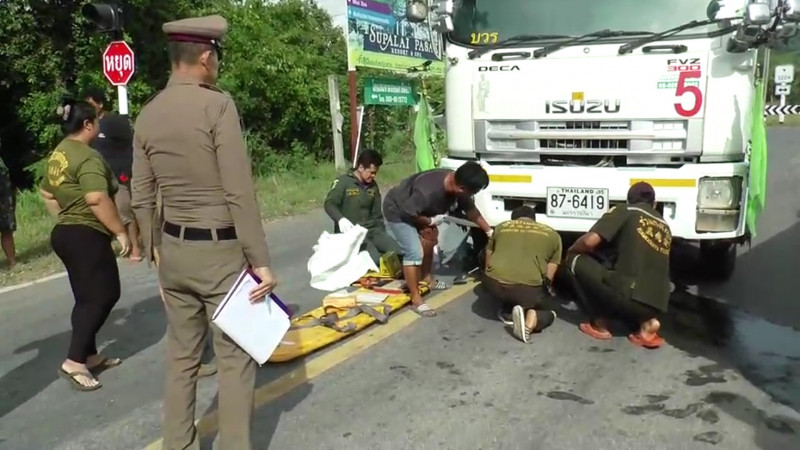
(581, 106)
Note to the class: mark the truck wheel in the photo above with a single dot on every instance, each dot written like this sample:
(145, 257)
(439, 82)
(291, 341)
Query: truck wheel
(718, 260)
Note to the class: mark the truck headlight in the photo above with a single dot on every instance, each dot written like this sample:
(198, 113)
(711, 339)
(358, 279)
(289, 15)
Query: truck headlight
(719, 193)
(718, 204)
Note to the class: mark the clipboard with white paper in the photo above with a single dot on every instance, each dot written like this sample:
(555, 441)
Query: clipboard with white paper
(256, 327)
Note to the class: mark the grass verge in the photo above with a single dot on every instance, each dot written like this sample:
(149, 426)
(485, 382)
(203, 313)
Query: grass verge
(279, 195)
(789, 121)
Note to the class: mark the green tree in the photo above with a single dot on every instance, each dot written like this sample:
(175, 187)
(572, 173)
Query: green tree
(48, 52)
(276, 60)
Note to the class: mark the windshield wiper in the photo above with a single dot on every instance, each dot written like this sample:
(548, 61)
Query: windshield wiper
(630, 46)
(518, 39)
(594, 36)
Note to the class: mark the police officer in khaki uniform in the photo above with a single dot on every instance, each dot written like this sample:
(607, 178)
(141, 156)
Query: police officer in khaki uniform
(188, 143)
(209, 367)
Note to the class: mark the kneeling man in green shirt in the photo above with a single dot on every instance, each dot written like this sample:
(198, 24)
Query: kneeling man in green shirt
(355, 199)
(636, 288)
(522, 257)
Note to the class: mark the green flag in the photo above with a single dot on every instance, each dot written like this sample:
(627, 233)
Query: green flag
(422, 137)
(757, 178)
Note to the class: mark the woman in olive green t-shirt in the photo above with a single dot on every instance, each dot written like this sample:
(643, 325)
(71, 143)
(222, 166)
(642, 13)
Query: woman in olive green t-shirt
(79, 188)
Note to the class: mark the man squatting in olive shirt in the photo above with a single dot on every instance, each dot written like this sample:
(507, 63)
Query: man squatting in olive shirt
(521, 260)
(416, 206)
(636, 286)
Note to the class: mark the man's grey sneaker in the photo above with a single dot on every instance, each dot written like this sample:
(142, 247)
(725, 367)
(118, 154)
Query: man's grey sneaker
(505, 317)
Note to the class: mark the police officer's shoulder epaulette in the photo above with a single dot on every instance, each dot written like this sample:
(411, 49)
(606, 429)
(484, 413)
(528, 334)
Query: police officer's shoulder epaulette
(150, 99)
(214, 88)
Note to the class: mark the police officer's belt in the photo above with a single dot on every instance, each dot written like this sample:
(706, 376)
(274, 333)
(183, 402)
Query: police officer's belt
(199, 234)
(331, 319)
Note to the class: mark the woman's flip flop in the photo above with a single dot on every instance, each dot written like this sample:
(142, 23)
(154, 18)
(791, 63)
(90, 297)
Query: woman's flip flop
(105, 364)
(587, 329)
(70, 376)
(653, 343)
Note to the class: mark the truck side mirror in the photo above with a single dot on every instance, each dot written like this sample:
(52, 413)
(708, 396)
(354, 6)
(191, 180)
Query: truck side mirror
(792, 14)
(443, 25)
(416, 11)
(757, 14)
(104, 17)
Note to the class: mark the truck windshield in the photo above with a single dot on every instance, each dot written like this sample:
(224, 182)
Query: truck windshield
(479, 22)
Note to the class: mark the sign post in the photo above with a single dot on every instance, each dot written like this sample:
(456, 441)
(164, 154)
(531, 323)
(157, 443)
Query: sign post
(360, 115)
(389, 92)
(118, 67)
(784, 75)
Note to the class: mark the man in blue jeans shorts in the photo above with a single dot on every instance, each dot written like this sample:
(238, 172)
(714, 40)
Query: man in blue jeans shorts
(416, 206)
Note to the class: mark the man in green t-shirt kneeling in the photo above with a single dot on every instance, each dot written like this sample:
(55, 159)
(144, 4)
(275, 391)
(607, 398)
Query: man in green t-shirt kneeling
(636, 287)
(522, 257)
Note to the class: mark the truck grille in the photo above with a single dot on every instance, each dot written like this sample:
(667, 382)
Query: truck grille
(583, 144)
(584, 125)
(627, 138)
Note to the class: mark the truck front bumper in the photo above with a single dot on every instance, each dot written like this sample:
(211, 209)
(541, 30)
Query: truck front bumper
(698, 201)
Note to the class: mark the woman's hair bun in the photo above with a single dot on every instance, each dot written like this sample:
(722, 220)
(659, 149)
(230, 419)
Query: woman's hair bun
(63, 111)
(64, 108)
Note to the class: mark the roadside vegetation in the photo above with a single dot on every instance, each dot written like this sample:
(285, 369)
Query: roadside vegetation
(788, 121)
(277, 57)
(280, 194)
(280, 87)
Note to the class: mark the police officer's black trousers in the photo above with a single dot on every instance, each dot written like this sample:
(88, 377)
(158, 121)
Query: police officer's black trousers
(599, 300)
(94, 277)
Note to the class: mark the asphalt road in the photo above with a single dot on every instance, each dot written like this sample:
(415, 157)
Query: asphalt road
(728, 378)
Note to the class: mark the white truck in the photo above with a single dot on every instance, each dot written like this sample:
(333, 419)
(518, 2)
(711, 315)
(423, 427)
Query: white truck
(567, 103)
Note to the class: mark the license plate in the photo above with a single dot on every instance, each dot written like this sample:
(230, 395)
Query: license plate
(579, 203)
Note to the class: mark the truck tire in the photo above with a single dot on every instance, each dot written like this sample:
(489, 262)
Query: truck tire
(717, 260)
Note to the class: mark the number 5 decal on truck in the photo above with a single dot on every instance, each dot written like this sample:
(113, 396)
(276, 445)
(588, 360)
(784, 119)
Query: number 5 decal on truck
(683, 89)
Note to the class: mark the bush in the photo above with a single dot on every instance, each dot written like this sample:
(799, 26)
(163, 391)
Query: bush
(276, 60)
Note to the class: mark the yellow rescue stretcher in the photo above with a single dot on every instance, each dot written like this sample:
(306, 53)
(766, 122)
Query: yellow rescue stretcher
(338, 318)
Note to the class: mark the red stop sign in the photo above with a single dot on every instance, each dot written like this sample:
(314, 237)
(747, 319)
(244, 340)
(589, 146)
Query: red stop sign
(118, 65)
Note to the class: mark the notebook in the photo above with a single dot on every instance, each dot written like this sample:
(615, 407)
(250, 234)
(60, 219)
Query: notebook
(256, 327)
(370, 297)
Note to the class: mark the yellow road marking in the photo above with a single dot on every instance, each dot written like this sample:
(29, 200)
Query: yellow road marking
(332, 358)
(666, 182)
(510, 178)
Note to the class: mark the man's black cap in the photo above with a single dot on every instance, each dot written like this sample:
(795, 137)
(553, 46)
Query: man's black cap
(641, 192)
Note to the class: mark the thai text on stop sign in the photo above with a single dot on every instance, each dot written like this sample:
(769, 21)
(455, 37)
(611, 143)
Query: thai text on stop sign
(118, 63)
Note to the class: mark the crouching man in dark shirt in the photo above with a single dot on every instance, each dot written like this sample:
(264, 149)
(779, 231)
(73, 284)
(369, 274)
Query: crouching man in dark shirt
(416, 206)
(636, 288)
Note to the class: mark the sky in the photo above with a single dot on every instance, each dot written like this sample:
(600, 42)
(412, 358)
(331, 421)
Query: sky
(336, 8)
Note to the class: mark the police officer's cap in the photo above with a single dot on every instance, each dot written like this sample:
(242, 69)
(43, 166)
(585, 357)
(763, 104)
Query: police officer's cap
(202, 30)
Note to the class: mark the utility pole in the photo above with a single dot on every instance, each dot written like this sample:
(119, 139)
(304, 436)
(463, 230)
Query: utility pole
(336, 122)
(118, 58)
